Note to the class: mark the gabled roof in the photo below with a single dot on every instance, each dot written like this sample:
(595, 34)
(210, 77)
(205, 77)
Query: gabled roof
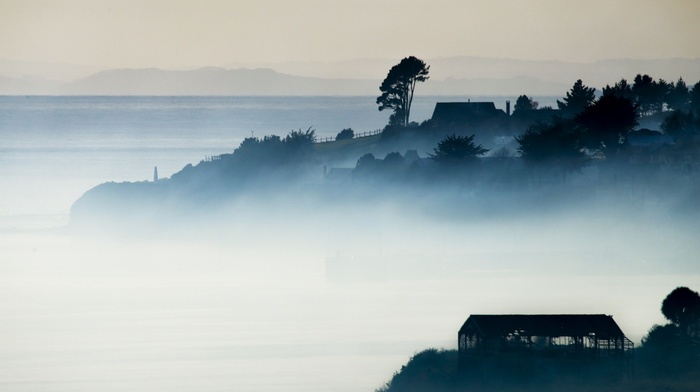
(648, 138)
(456, 112)
(553, 325)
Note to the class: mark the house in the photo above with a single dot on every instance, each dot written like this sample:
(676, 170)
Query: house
(524, 118)
(466, 113)
(410, 156)
(647, 147)
(646, 138)
(567, 343)
(338, 174)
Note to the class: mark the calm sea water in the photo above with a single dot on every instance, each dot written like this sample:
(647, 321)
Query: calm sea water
(53, 149)
(101, 315)
(252, 308)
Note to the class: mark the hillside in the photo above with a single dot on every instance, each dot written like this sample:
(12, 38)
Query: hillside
(463, 75)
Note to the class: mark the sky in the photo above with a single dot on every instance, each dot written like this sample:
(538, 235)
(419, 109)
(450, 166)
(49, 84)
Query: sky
(177, 33)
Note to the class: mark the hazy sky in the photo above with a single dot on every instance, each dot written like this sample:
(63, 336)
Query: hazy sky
(177, 33)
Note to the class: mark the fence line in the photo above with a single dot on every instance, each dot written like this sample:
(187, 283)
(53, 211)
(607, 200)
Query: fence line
(211, 158)
(329, 139)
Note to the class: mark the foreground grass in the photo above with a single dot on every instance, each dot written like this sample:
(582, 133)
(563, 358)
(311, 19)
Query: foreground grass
(436, 371)
(347, 149)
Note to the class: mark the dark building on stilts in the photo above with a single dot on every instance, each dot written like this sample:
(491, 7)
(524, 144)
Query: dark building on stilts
(466, 113)
(589, 346)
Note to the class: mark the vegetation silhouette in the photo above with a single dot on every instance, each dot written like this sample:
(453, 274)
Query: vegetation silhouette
(524, 104)
(682, 308)
(583, 130)
(552, 147)
(681, 125)
(345, 134)
(695, 98)
(667, 361)
(394, 169)
(457, 150)
(673, 349)
(533, 149)
(607, 122)
(620, 89)
(678, 96)
(650, 94)
(428, 370)
(270, 161)
(398, 88)
(576, 99)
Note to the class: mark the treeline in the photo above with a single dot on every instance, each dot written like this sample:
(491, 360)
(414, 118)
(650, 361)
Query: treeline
(651, 96)
(668, 360)
(588, 127)
(271, 160)
(585, 128)
(648, 95)
(582, 129)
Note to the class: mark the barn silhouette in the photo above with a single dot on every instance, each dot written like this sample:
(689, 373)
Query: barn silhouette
(581, 345)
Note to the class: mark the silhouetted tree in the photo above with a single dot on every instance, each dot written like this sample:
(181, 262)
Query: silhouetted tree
(394, 158)
(666, 351)
(682, 308)
(296, 147)
(660, 336)
(390, 168)
(268, 151)
(680, 125)
(552, 146)
(607, 122)
(367, 165)
(577, 99)
(620, 89)
(678, 96)
(524, 104)
(393, 166)
(247, 144)
(429, 370)
(454, 150)
(367, 159)
(345, 134)
(502, 153)
(299, 144)
(398, 87)
(650, 94)
(663, 89)
(695, 98)
(674, 348)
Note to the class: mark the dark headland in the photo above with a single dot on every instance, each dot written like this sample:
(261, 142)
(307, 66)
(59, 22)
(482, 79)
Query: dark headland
(630, 145)
(630, 150)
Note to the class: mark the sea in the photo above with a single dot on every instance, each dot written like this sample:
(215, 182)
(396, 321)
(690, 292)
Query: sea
(255, 307)
(54, 148)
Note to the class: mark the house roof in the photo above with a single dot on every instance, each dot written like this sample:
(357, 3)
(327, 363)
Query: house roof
(553, 325)
(648, 138)
(452, 112)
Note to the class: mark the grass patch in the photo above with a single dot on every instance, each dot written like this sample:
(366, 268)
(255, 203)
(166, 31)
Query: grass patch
(348, 148)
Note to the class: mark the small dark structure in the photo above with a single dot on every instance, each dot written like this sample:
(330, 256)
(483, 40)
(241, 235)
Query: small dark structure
(338, 174)
(524, 118)
(646, 138)
(466, 113)
(579, 345)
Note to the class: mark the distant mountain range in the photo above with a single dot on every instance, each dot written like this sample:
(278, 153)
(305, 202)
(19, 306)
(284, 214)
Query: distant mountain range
(596, 74)
(467, 76)
(212, 81)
